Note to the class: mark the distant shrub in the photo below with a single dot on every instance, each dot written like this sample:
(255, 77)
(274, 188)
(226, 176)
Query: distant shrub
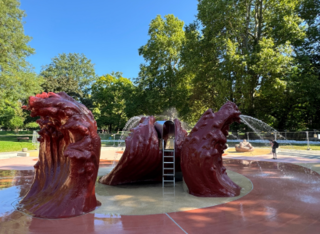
(32, 125)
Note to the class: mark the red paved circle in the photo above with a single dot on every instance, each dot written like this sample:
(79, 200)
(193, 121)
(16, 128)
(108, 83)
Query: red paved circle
(285, 199)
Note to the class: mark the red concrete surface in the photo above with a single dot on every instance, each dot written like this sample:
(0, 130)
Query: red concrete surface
(27, 163)
(18, 163)
(285, 199)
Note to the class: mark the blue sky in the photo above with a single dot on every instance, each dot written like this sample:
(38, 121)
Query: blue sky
(109, 32)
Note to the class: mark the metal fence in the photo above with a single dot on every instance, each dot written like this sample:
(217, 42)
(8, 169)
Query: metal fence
(113, 140)
(307, 138)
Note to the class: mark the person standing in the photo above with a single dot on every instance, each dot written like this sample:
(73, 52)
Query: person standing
(274, 146)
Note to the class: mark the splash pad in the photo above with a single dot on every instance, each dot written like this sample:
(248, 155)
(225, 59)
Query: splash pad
(144, 197)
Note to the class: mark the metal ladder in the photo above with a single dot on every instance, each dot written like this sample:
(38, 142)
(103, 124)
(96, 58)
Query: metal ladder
(166, 165)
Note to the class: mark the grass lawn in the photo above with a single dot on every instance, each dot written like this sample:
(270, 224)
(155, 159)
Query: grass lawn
(10, 143)
(12, 133)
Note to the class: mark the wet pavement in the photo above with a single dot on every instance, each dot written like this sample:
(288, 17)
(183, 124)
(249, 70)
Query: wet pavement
(285, 199)
(283, 156)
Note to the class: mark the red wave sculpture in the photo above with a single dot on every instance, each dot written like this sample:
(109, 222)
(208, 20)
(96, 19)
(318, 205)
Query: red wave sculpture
(141, 160)
(180, 136)
(201, 159)
(65, 175)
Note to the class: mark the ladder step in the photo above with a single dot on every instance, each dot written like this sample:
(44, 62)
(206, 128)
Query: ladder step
(170, 177)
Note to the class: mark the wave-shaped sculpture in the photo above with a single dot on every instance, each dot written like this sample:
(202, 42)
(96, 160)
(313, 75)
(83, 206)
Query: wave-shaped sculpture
(201, 158)
(141, 160)
(180, 136)
(65, 175)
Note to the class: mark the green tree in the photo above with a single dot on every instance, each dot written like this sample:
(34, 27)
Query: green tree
(7, 112)
(305, 80)
(12, 116)
(160, 82)
(72, 73)
(243, 51)
(15, 123)
(111, 94)
(17, 79)
(32, 125)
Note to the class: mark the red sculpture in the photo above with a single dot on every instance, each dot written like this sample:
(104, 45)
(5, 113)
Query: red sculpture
(141, 160)
(180, 136)
(201, 159)
(65, 175)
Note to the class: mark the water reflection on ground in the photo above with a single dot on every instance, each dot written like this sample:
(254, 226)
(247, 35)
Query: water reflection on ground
(285, 199)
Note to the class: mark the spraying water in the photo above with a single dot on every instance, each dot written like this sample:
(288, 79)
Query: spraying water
(264, 131)
(169, 114)
(35, 141)
(131, 123)
(259, 126)
(256, 124)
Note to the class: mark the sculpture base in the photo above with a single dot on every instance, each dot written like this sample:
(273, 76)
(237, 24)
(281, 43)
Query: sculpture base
(243, 149)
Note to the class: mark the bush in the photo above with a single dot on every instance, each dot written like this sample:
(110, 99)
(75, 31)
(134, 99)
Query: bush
(32, 125)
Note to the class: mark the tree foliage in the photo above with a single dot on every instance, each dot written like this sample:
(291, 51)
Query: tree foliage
(72, 73)
(12, 116)
(17, 79)
(32, 125)
(245, 51)
(160, 81)
(261, 54)
(111, 94)
(15, 123)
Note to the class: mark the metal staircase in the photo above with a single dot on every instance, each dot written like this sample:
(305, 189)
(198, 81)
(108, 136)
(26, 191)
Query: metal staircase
(168, 165)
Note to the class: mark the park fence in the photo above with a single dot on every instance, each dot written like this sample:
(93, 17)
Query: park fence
(258, 138)
(288, 138)
(308, 138)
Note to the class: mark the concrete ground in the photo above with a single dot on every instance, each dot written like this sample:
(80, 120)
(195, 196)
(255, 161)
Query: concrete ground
(306, 158)
(10, 160)
(151, 198)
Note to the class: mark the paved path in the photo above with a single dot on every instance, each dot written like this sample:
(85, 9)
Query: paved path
(283, 156)
(6, 155)
(18, 163)
(10, 161)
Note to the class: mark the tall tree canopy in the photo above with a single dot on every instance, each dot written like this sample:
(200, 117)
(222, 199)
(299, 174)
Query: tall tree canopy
(112, 99)
(159, 79)
(17, 79)
(245, 51)
(72, 73)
